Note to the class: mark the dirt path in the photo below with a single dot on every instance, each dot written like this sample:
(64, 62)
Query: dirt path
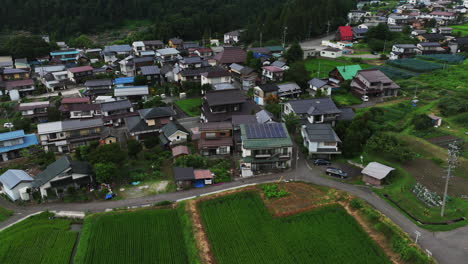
(201, 239)
(379, 238)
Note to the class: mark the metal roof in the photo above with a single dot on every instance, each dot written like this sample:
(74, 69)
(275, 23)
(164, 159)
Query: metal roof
(11, 178)
(224, 97)
(150, 70)
(263, 117)
(124, 80)
(59, 126)
(167, 51)
(320, 133)
(118, 48)
(98, 82)
(28, 140)
(348, 71)
(377, 170)
(314, 106)
(183, 174)
(116, 105)
(131, 90)
(315, 82)
(262, 143)
(11, 135)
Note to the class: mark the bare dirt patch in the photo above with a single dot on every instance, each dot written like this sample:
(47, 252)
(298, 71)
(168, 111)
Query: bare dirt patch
(201, 239)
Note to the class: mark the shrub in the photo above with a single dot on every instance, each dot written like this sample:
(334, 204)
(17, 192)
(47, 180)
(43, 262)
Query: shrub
(163, 203)
(355, 203)
(273, 191)
(371, 215)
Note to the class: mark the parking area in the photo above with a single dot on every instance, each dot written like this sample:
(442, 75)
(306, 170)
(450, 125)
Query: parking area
(354, 173)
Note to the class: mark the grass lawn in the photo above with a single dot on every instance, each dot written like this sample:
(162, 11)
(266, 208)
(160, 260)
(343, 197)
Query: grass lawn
(461, 28)
(38, 240)
(190, 106)
(345, 99)
(313, 65)
(143, 236)
(5, 213)
(241, 230)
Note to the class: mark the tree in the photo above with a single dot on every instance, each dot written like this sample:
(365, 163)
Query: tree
(389, 145)
(155, 101)
(53, 114)
(294, 53)
(140, 80)
(134, 147)
(380, 32)
(272, 99)
(298, 73)
(27, 46)
(292, 122)
(82, 41)
(105, 172)
(422, 122)
(22, 124)
(275, 109)
(194, 161)
(431, 23)
(110, 153)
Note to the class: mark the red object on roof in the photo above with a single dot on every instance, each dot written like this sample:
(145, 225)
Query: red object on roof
(272, 69)
(202, 174)
(76, 100)
(80, 69)
(19, 83)
(345, 33)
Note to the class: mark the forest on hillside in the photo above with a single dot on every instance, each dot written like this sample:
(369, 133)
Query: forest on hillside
(188, 19)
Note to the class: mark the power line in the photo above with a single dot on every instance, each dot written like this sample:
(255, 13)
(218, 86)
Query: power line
(452, 159)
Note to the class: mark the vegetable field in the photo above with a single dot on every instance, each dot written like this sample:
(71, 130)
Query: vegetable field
(37, 240)
(415, 65)
(443, 58)
(395, 73)
(241, 230)
(146, 236)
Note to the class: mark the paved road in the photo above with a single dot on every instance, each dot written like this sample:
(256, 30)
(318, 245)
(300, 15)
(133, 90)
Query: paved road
(316, 43)
(73, 92)
(447, 247)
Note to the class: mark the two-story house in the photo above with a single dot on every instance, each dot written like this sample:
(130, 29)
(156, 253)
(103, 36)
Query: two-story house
(317, 110)
(272, 74)
(148, 122)
(97, 87)
(244, 76)
(16, 83)
(400, 51)
(78, 74)
(425, 48)
(214, 77)
(167, 55)
(11, 144)
(153, 45)
(373, 83)
(232, 37)
(265, 148)
(263, 92)
(66, 136)
(230, 55)
(190, 62)
(215, 138)
(132, 93)
(114, 113)
(173, 134)
(221, 105)
(116, 52)
(36, 111)
(66, 103)
(127, 66)
(151, 73)
(84, 111)
(175, 43)
(320, 140)
(66, 56)
(344, 73)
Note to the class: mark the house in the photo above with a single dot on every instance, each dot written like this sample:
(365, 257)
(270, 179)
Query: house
(289, 90)
(359, 33)
(109, 135)
(331, 52)
(6, 62)
(221, 86)
(215, 138)
(317, 110)
(18, 89)
(116, 52)
(7, 74)
(230, 55)
(152, 74)
(244, 76)
(265, 148)
(320, 140)
(168, 55)
(127, 66)
(264, 117)
(149, 122)
(132, 93)
(374, 173)
(280, 64)
(396, 19)
(84, 111)
(67, 102)
(215, 77)
(65, 56)
(190, 62)
(78, 74)
(319, 85)
(153, 45)
(36, 111)
(201, 52)
(373, 83)
(425, 48)
(431, 37)
(11, 144)
(236, 133)
(356, 16)
(179, 151)
(445, 31)
(62, 174)
(173, 134)
(188, 177)
(142, 61)
(446, 16)
(189, 45)
(97, 87)
(263, 92)
(232, 37)
(221, 105)
(114, 113)
(400, 51)
(66, 136)
(272, 74)
(260, 52)
(195, 75)
(16, 184)
(344, 73)
(395, 28)
(344, 33)
(138, 47)
(459, 45)
(175, 43)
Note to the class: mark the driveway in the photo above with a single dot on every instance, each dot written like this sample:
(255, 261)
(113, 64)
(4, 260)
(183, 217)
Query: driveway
(446, 247)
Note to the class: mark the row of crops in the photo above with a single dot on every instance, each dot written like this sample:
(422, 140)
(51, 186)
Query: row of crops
(395, 73)
(38, 239)
(241, 230)
(415, 65)
(147, 236)
(443, 58)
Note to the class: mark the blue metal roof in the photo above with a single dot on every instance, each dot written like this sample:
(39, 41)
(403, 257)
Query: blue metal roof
(28, 140)
(58, 53)
(124, 80)
(11, 135)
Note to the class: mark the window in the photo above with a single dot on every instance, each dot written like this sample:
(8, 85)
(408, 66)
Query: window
(222, 134)
(285, 151)
(223, 150)
(178, 137)
(329, 143)
(210, 135)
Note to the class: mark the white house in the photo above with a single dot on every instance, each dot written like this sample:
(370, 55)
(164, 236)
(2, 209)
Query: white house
(320, 139)
(215, 77)
(331, 53)
(173, 133)
(16, 184)
(232, 37)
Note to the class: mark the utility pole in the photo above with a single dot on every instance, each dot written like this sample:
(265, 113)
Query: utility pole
(328, 27)
(284, 36)
(452, 159)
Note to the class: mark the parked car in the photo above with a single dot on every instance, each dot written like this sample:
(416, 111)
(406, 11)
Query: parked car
(318, 162)
(8, 125)
(365, 98)
(336, 172)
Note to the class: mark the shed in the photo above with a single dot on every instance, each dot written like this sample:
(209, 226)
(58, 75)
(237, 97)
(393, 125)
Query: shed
(374, 173)
(436, 120)
(180, 150)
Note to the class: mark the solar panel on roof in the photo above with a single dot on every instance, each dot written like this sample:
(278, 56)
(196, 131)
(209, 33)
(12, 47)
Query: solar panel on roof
(265, 131)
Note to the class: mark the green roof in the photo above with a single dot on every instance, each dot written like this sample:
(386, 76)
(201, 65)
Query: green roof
(261, 143)
(348, 71)
(275, 48)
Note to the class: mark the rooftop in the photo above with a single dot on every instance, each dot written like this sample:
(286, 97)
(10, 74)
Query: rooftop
(315, 106)
(11, 178)
(224, 97)
(320, 133)
(377, 170)
(260, 136)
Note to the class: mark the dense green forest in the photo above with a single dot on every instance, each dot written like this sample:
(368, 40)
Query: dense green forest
(189, 19)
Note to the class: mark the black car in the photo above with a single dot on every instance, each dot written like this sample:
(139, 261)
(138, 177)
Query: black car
(336, 172)
(318, 162)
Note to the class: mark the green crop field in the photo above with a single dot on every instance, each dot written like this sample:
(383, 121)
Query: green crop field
(146, 236)
(461, 28)
(37, 240)
(415, 65)
(190, 106)
(241, 230)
